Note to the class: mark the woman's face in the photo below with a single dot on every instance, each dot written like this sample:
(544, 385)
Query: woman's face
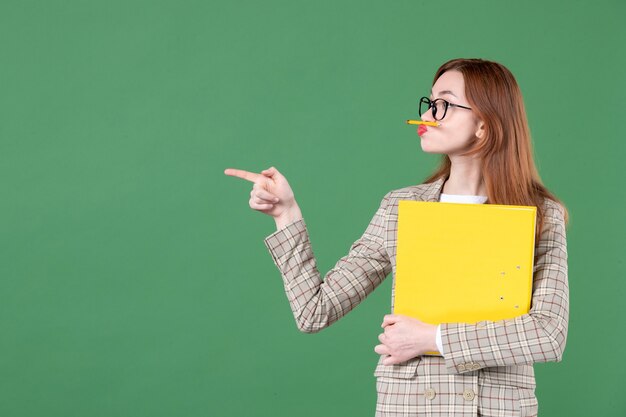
(460, 127)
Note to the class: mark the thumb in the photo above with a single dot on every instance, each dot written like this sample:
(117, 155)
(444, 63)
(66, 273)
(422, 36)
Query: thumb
(270, 172)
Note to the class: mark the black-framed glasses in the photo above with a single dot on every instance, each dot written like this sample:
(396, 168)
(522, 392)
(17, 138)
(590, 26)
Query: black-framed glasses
(439, 106)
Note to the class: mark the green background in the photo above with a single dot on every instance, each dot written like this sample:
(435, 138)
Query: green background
(133, 278)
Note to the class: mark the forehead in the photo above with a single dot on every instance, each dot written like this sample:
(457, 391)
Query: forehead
(449, 83)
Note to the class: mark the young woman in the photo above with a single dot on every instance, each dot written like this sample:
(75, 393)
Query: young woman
(485, 369)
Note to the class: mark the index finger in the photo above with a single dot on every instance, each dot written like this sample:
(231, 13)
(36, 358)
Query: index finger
(250, 176)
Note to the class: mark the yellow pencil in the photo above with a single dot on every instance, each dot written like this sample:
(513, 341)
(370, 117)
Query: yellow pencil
(419, 122)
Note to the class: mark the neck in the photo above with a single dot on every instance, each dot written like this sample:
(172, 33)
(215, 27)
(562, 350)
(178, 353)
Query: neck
(465, 177)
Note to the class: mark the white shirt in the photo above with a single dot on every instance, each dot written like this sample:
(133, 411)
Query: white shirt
(457, 198)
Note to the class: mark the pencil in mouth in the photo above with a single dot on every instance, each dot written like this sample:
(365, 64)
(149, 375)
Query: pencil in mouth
(419, 122)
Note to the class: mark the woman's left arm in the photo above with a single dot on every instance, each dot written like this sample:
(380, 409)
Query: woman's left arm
(538, 336)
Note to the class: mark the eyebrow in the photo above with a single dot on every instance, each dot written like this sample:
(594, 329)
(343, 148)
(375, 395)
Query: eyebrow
(444, 92)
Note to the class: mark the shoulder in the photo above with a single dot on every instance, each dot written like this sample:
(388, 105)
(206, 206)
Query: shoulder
(413, 192)
(420, 192)
(553, 211)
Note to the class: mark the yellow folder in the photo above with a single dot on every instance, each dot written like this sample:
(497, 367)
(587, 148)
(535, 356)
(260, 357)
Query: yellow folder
(463, 263)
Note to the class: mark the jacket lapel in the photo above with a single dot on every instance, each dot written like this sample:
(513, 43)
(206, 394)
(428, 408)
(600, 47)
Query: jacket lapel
(433, 192)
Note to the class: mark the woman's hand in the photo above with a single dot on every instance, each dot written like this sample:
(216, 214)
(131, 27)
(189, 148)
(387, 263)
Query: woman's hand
(405, 338)
(271, 193)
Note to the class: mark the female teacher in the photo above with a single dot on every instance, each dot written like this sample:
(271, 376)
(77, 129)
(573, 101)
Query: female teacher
(486, 368)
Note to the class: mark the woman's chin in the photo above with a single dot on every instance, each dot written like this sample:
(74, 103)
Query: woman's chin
(427, 148)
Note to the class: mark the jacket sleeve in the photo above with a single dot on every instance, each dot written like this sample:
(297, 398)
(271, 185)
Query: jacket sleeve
(318, 303)
(538, 336)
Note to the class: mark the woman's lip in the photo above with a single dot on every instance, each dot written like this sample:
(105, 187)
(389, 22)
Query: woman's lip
(421, 130)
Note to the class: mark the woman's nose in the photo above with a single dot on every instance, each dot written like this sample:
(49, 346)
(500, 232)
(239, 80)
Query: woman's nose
(428, 115)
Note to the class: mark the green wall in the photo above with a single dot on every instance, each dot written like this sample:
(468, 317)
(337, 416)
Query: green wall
(133, 278)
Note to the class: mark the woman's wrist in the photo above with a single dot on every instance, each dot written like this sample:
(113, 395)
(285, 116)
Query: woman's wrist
(288, 216)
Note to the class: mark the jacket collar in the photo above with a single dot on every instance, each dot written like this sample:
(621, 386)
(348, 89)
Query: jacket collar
(433, 192)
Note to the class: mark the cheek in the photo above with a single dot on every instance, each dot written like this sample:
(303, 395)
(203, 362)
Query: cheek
(461, 135)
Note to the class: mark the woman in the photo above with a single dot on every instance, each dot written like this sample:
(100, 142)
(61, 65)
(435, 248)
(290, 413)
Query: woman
(485, 369)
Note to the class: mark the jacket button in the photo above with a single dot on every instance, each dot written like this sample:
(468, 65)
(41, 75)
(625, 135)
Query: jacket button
(461, 367)
(470, 366)
(429, 393)
(468, 394)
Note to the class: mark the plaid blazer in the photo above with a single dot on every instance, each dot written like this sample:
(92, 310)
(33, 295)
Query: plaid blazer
(487, 367)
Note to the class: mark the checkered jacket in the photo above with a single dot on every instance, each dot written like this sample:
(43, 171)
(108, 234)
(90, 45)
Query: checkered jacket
(487, 366)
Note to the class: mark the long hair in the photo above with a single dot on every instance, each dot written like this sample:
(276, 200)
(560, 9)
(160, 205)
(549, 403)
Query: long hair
(508, 167)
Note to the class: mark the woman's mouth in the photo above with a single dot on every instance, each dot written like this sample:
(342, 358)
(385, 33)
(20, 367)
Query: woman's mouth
(421, 130)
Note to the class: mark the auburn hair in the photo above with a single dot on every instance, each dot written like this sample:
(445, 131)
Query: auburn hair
(508, 167)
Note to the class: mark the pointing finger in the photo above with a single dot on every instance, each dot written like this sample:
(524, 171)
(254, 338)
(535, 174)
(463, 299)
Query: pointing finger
(250, 176)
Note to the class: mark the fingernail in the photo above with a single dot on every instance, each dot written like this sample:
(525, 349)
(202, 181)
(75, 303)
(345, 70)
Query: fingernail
(275, 199)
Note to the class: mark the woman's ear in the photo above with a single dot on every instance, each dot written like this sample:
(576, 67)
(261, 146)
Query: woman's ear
(480, 130)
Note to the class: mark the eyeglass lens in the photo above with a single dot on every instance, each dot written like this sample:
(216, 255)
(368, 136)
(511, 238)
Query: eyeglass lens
(439, 107)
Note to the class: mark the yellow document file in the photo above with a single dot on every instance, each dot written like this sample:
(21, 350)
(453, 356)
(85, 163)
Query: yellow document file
(463, 263)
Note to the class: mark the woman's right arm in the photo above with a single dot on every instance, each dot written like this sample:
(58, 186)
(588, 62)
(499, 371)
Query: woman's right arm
(315, 302)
